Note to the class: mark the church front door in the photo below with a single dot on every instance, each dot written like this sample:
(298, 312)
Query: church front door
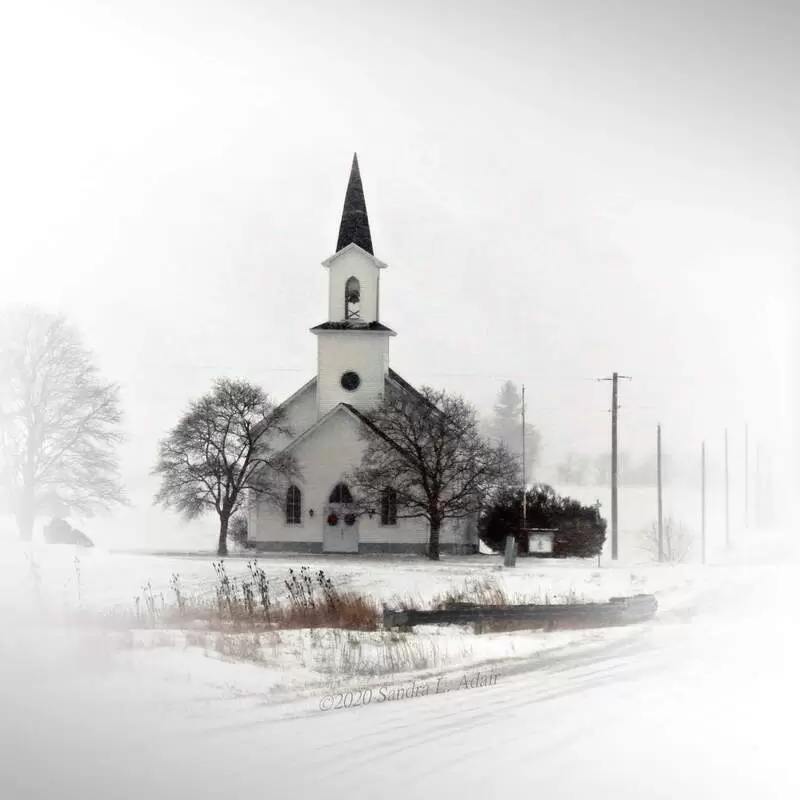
(340, 534)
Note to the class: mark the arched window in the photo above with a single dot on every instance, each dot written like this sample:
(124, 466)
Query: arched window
(340, 494)
(294, 506)
(388, 506)
(352, 298)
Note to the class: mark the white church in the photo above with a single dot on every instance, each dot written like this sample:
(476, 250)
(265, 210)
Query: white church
(353, 373)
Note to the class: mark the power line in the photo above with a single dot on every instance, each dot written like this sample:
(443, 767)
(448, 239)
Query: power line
(476, 375)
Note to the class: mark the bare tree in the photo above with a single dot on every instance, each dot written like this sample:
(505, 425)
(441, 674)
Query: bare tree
(221, 451)
(426, 447)
(59, 421)
(676, 541)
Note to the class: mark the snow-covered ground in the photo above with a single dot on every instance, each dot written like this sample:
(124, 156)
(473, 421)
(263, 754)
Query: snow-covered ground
(701, 700)
(104, 580)
(302, 662)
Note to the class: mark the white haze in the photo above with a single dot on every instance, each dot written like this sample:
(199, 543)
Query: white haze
(700, 702)
(561, 190)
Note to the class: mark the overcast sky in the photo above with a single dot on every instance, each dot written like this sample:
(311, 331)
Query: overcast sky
(560, 189)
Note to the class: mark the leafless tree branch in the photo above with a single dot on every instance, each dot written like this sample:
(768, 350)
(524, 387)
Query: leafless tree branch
(428, 448)
(221, 451)
(59, 421)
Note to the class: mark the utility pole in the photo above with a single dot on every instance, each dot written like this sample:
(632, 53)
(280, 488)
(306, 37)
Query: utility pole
(746, 478)
(660, 503)
(727, 496)
(614, 465)
(524, 470)
(703, 503)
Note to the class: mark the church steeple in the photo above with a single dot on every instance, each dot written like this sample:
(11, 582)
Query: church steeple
(353, 344)
(354, 228)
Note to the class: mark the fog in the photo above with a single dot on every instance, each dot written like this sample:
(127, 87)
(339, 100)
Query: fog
(591, 189)
(701, 700)
(561, 191)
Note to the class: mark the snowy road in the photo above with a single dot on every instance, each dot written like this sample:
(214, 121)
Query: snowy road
(679, 711)
(681, 708)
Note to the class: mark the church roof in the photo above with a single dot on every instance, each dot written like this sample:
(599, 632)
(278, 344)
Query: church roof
(302, 390)
(392, 377)
(410, 389)
(354, 227)
(364, 419)
(352, 325)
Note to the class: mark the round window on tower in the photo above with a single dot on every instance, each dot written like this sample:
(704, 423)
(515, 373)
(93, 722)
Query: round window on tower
(350, 381)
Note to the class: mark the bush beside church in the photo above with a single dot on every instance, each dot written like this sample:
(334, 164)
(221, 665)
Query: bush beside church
(580, 531)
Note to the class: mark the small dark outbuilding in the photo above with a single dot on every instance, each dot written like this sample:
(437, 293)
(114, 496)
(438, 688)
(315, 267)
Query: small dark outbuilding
(59, 531)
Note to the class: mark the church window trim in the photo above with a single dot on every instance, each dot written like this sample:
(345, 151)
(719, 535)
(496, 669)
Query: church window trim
(294, 506)
(341, 495)
(388, 507)
(350, 381)
(352, 298)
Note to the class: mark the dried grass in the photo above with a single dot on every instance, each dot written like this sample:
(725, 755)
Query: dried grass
(238, 605)
(483, 592)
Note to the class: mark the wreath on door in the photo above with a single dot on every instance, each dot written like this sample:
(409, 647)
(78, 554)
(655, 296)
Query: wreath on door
(350, 519)
(332, 519)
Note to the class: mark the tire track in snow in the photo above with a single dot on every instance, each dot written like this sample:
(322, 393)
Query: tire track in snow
(568, 657)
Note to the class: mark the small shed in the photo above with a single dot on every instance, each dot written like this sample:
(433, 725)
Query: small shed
(540, 541)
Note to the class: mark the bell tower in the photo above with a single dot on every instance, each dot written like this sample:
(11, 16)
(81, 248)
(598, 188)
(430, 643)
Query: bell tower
(353, 345)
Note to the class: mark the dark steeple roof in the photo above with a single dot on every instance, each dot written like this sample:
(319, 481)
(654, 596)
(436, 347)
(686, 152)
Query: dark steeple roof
(355, 223)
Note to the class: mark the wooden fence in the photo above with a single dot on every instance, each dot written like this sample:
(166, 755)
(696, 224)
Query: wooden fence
(618, 611)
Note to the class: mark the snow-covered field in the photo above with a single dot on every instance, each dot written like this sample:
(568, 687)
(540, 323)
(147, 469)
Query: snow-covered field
(701, 700)
(290, 663)
(105, 580)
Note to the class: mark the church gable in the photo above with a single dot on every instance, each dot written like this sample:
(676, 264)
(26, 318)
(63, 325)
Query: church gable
(328, 450)
(335, 437)
(341, 417)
